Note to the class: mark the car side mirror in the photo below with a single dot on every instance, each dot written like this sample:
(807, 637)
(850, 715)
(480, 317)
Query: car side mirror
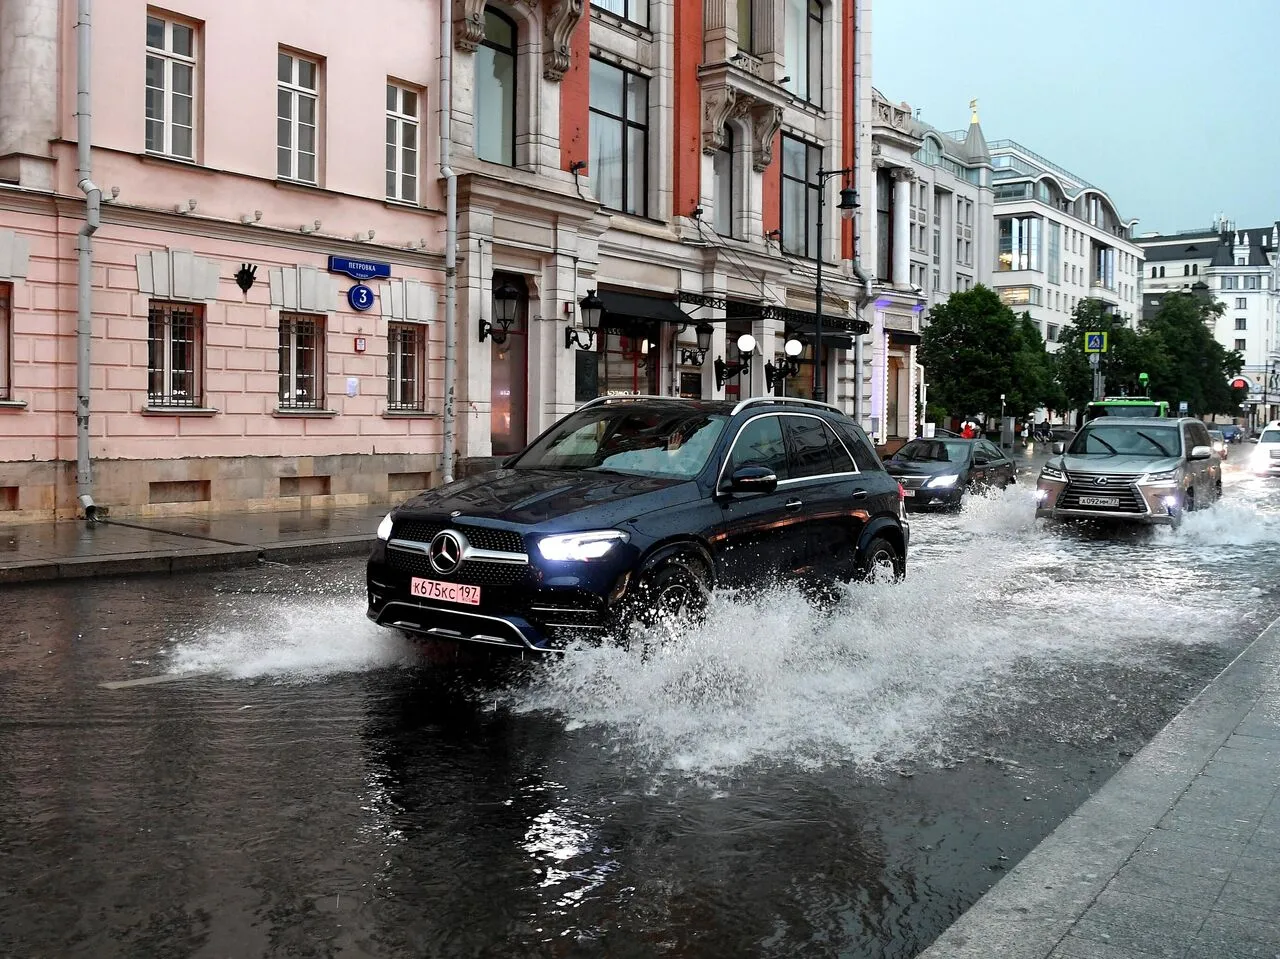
(1252, 439)
(1059, 449)
(506, 463)
(1201, 452)
(981, 461)
(753, 479)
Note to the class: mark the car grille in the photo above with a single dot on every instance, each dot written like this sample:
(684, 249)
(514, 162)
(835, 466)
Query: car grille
(474, 573)
(912, 482)
(481, 537)
(1275, 454)
(1087, 484)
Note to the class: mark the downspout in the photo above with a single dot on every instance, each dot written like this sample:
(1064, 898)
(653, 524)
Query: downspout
(84, 252)
(865, 296)
(450, 242)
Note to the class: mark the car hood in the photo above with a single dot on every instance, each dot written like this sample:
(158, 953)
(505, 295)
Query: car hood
(555, 497)
(921, 468)
(1120, 465)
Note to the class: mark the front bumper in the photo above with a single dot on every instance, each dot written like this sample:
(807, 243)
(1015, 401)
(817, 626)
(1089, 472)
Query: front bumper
(538, 607)
(1152, 505)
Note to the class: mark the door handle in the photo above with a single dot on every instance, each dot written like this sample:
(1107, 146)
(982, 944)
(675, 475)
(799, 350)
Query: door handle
(858, 494)
(794, 505)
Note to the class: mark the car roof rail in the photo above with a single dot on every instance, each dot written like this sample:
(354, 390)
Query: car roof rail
(797, 400)
(625, 397)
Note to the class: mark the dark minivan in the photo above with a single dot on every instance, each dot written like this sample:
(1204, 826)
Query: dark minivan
(636, 506)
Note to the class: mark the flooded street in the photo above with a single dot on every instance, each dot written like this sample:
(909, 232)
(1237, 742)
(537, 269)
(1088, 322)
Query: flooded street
(239, 764)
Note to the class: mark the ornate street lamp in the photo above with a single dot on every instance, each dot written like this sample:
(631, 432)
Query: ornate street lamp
(506, 303)
(776, 375)
(592, 308)
(725, 371)
(696, 357)
(847, 206)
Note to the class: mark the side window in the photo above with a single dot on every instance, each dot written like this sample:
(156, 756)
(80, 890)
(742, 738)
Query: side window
(1201, 433)
(841, 461)
(810, 452)
(1188, 439)
(864, 454)
(760, 444)
(990, 451)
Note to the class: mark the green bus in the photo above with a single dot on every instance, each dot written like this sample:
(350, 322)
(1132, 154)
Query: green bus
(1125, 406)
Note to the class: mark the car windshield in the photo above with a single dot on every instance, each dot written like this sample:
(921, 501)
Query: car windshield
(1126, 440)
(1124, 409)
(663, 441)
(1217, 435)
(1269, 436)
(934, 451)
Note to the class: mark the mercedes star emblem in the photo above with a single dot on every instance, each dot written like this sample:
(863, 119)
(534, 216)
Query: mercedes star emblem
(446, 551)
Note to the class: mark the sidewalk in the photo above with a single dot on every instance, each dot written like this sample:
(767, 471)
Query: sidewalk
(73, 549)
(1177, 855)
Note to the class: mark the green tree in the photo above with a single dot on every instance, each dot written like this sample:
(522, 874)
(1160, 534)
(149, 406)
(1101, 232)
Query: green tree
(1033, 383)
(970, 350)
(1198, 368)
(1129, 354)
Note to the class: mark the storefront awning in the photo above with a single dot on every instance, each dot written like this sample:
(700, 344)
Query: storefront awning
(797, 319)
(898, 338)
(626, 309)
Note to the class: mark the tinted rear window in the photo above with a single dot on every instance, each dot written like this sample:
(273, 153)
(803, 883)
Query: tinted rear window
(864, 454)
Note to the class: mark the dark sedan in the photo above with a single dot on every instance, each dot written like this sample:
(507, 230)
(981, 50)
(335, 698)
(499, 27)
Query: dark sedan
(633, 508)
(939, 471)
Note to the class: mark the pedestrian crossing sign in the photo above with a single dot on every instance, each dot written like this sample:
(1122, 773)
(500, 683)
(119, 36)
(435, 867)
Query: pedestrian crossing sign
(1095, 342)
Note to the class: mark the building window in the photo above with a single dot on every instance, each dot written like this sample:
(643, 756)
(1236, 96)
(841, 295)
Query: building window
(1186, 269)
(1195, 269)
(1162, 272)
(301, 362)
(1019, 243)
(6, 341)
(884, 224)
(1240, 346)
(803, 49)
(407, 367)
(620, 138)
(402, 144)
(746, 26)
(1228, 282)
(800, 165)
(297, 117)
(1250, 282)
(1242, 322)
(171, 88)
(495, 90)
(175, 345)
(1051, 333)
(1020, 295)
(1241, 303)
(1055, 251)
(637, 11)
(1153, 273)
(723, 205)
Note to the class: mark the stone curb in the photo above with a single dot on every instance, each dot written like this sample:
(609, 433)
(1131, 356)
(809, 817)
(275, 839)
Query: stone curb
(172, 561)
(1029, 912)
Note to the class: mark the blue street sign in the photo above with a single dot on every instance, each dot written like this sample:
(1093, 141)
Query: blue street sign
(358, 269)
(360, 297)
(1095, 342)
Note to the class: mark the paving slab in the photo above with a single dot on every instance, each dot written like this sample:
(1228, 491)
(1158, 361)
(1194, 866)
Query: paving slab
(1174, 856)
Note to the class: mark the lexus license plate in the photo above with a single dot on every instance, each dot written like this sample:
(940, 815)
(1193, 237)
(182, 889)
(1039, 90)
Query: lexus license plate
(908, 492)
(449, 592)
(1111, 501)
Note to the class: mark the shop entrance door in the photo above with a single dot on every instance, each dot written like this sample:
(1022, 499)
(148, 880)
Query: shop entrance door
(628, 360)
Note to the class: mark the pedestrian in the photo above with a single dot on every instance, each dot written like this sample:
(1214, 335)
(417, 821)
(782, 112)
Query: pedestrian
(968, 432)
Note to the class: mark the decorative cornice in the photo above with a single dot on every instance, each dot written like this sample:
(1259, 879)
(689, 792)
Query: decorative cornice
(562, 18)
(468, 27)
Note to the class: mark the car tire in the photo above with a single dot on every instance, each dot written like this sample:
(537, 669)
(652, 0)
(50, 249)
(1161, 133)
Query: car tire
(677, 589)
(881, 562)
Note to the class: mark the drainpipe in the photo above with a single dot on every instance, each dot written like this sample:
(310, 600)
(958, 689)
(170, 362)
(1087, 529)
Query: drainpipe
(863, 298)
(450, 241)
(84, 252)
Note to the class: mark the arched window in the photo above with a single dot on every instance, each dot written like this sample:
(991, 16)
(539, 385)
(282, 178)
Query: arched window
(1162, 272)
(724, 205)
(495, 90)
(802, 49)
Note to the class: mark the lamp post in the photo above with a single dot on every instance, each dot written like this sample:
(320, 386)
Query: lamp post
(847, 206)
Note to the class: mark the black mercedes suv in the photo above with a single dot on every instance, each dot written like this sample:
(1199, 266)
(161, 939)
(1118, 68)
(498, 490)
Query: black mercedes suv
(636, 506)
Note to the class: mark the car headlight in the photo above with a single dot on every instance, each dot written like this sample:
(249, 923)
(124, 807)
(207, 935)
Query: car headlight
(1052, 473)
(1165, 476)
(580, 547)
(384, 528)
(948, 479)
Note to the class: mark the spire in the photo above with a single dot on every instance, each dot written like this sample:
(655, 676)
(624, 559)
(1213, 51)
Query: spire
(975, 144)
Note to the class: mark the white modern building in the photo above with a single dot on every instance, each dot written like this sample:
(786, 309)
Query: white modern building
(1238, 268)
(1059, 239)
(934, 237)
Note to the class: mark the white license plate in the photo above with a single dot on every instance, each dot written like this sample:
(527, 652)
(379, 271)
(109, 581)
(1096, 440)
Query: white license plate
(449, 592)
(908, 492)
(1099, 500)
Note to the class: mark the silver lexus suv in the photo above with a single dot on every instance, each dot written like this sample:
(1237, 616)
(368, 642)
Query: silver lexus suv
(1145, 470)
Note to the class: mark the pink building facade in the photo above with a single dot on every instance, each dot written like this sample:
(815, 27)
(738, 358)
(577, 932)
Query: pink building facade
(223, 152)
(667, 156)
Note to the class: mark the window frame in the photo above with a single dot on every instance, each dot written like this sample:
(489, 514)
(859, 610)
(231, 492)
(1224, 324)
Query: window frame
(288, 372)
(1241, 345)
(812, 195)
(726, 154)
(627, 124)
(396, 382)
(163, 311)
(169, 59)
(805, 81)
(398, 121)
(297, 93)
(627, 9)
(6, 342)
(513, 52)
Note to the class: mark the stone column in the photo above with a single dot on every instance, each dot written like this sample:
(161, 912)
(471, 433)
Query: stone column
(902, 180)
(29, 91)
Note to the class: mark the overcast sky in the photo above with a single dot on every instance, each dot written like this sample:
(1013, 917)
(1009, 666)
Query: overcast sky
(1170, 106)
